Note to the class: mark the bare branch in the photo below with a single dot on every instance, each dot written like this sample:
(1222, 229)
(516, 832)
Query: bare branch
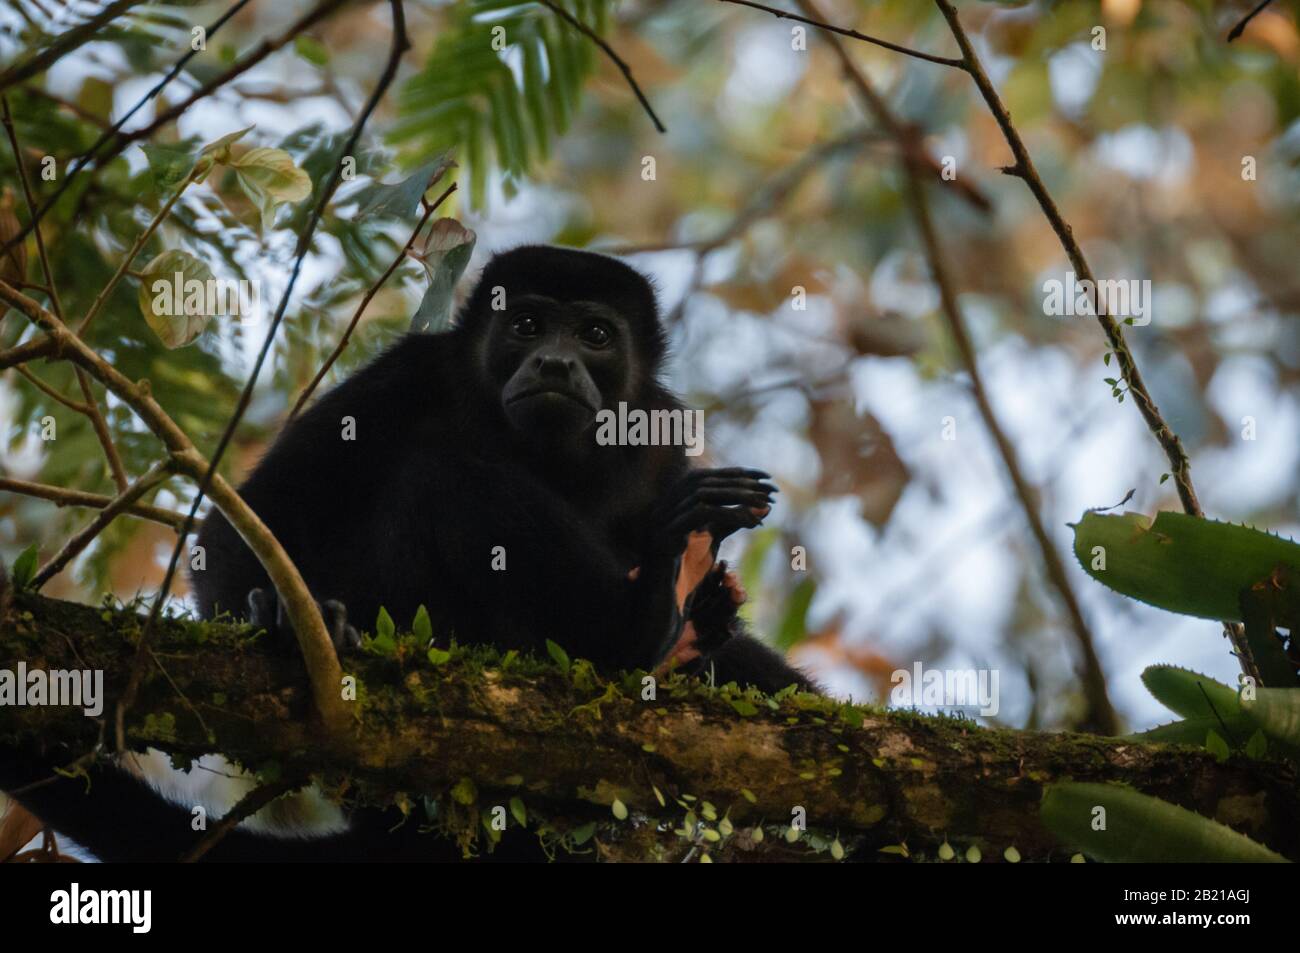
(65, 43)
(50, 391)
(91, 406)
(23, 353)
(152, 477)
(1114, 333)
(263, 50)
(64, 497)
(1244, 22)
(318, 651)
(591, 34)
(102, 432)
(880, 111)
(852, 34)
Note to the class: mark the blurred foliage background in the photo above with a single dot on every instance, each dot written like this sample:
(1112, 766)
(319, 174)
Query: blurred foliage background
(769, 178)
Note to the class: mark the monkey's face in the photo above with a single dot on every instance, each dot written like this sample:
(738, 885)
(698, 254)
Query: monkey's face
(555, 364)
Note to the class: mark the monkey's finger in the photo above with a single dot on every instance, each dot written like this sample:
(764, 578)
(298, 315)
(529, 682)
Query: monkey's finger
(705, 473)
(726, 498)
(740, 483)
(261, 608)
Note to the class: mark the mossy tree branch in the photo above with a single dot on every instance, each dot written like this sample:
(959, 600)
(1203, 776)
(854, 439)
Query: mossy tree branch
(568, 744)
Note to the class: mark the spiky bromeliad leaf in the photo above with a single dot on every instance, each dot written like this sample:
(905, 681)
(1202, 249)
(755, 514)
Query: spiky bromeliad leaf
(1189, 693)
(467, 95)
(1139, 828)
(1182, 563)
(1207, 705)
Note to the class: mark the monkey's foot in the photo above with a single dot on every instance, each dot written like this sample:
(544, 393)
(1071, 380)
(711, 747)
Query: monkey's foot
(266, 611)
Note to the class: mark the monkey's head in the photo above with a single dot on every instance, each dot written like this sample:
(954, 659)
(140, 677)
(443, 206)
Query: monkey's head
(559, 335)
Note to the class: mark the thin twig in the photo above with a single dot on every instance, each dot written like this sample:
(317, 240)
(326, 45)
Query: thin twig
(24, 353)
(263, 50)
(248, 805)
(1180, 465)
(91, 406)
(318, 652)
(102, 432)
(129, 258)
(66, 43)
(152, 477)
(92, 153)
(87, 115)
(1101, 715)
(591, 34)
(853, 34)
(1237, 30)
(320, 657)
(763, 201)
(50, 391)
(895, 128)
(64, 497)
(365, 301)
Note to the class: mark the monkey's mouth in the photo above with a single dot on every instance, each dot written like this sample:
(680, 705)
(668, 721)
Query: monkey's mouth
(551, 392)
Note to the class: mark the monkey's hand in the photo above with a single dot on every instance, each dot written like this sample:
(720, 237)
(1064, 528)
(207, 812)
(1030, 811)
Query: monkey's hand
(700, 511)
(714, 501)
(716, 607)
(266, 611)
(711, 620)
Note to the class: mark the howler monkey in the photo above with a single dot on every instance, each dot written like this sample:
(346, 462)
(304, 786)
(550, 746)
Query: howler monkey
(461, 471)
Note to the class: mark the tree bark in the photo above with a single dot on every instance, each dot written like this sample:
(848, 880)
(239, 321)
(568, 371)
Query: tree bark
(479, 730)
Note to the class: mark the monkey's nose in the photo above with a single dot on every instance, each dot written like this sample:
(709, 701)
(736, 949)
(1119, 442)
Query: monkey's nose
(554, 366)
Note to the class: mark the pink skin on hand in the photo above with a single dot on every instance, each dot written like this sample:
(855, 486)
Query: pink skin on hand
(697, 562)
(685, 650)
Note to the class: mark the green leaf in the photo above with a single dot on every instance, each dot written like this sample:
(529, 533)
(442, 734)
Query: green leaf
(744, 708)
(1257, 746)
(219, 149)
(402, 198)
(422, 626)
(794, 623)
(1181, 563)
(384, 625)
(1216, 746)
(313, 51)
(1140, 828)
(558, 655)
(1194, 731)
(1189, 693)
(438, 656)
(270, 179)
(449, 249)
(170, 163)
(517, 811)
(175, 314)
(464, 792)
(1277, 712)
(25, 567)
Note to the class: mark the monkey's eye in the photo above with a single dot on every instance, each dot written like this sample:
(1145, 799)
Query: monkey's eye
(595, 335)
(525, 325)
